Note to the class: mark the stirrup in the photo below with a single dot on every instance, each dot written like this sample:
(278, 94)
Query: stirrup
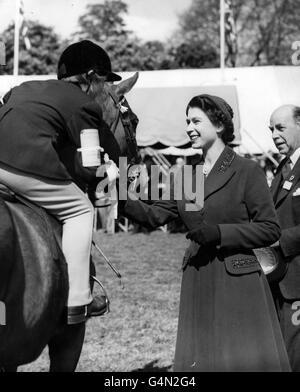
(80, 314)
(105, 296)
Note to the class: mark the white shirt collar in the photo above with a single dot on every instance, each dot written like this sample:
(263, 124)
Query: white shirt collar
(295, 156)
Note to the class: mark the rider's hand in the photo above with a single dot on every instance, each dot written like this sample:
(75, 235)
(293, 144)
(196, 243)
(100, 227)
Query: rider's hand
(110, 168)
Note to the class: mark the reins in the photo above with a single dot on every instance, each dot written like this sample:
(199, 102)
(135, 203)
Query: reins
(124, 114)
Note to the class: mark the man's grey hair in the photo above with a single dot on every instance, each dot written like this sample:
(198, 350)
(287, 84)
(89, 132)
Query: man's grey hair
(296, 114)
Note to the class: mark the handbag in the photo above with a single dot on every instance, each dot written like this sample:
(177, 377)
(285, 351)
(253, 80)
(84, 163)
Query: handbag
(272, 262)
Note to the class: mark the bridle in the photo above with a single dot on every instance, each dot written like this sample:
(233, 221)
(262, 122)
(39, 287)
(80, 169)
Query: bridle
(129, 121)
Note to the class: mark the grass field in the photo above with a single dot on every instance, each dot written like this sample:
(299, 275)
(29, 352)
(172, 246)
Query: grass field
(140, 331)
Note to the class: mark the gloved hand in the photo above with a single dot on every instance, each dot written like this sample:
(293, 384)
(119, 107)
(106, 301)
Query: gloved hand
(205, 235)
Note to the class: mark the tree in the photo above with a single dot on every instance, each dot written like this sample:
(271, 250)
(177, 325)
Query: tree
(128, 54)
(155, 55)
(41, 58)
(265, 28)
(104, 23)
(196, 43)
(191, 52)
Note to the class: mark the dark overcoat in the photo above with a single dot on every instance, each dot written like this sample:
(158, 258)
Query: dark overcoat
(227, 319)
(287, 204)
(287, 291)
(40, 126)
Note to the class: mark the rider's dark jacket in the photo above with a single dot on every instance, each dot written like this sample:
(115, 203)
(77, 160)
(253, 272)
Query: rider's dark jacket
(40, 124)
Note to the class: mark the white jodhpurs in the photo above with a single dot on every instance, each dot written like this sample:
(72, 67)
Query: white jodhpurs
(74, 210)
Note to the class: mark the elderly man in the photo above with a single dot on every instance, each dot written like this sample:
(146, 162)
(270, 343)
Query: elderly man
(285, 127)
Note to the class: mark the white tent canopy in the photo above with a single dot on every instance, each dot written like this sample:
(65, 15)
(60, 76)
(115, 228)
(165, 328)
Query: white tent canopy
(160, 97)
(260, 90)
(161, 111)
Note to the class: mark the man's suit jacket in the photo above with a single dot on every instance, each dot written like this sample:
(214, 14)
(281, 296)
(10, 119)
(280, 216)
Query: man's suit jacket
(40, 126)
(287, 205)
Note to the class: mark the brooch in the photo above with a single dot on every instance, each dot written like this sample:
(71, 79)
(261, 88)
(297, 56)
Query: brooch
(226, 161)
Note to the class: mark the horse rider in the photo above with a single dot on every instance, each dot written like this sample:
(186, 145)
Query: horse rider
(38, 120)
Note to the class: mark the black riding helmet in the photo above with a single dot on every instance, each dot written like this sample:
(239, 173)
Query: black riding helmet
(84, 56)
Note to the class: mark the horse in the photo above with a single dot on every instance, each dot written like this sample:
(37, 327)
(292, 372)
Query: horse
(33, 271)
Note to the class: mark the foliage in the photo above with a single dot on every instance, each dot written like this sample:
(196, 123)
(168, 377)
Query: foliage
(41, 58)
(154, 55)
(133, 54)
(192, 52)
(202, 20)
(103, 21)
(265, 29)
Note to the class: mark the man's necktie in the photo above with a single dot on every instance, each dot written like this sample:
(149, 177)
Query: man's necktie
(283, 172)
(286, 169)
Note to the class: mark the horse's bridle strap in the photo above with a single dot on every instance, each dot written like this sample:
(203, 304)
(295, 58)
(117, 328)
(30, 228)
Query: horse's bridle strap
(129, 134)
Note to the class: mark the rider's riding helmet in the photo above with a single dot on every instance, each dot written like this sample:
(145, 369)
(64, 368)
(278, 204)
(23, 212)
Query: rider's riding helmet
(85, 56)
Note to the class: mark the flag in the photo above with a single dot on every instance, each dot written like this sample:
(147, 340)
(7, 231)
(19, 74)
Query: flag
(2, 53)
(24, 27)
(230, 32)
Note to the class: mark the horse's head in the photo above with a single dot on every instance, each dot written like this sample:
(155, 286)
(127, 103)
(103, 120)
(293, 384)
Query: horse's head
(118, 118)
(117, 114)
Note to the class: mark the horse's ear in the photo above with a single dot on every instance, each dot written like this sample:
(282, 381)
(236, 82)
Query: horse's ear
(126, 85)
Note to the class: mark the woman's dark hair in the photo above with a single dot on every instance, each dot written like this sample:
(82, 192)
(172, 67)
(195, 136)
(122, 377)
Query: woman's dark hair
(218, 111)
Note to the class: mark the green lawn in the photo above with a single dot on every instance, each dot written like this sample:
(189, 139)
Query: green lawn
(140, 331)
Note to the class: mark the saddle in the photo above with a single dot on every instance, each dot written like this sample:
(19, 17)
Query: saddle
(17, 215)
(6, 244)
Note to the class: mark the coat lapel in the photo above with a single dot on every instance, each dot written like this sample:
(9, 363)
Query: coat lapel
(292, 179)
(221, 173)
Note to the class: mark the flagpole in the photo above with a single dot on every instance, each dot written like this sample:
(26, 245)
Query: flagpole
(222, 38)
(16, 38)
